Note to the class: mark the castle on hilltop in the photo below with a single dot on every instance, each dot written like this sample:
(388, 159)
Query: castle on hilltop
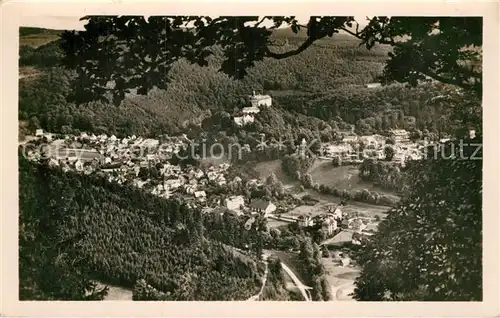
(260, 100)
(248, 112)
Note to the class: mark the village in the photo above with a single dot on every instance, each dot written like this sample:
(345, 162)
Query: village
(145, 163)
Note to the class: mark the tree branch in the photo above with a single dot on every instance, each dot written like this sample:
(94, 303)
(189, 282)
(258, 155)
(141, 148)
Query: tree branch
(307, 43)
(261, 20)
(447, 80)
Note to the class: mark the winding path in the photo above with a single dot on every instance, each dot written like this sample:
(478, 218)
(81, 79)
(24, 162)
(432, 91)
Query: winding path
(264, 279)
(336, 289)
(302, 288)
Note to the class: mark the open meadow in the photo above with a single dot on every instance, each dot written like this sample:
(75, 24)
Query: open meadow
(265, 168)
(343, 177)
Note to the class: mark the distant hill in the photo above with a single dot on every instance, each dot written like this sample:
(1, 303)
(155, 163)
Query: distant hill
(194, 92)
(325, 81)
(35, 37)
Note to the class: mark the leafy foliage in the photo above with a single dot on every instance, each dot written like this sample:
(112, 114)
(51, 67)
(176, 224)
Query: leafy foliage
(135, 53)
(386, 175)
(311, 265)
(430, 246)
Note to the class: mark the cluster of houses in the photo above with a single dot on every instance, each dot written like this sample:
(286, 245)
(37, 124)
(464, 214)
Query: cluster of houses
(329, 221)
(374, 147)
(236, 205)
(247, 114)
(340, 227)
(121, 161)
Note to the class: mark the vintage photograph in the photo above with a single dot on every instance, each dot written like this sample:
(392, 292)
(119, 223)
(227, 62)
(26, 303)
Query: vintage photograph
(250, 158)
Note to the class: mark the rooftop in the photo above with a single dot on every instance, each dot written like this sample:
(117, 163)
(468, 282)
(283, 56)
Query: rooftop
(259, 96)
(260, 204)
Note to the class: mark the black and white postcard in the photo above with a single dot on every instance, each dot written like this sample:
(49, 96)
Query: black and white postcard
(213, 159)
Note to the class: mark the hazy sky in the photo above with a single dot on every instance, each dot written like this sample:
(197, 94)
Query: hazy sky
(73, 23)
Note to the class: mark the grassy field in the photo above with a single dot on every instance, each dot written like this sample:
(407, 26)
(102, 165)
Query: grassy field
(37, 39)
(116, 292)
(339, 176)
(267, 167)
(343, 177)
(341, 279)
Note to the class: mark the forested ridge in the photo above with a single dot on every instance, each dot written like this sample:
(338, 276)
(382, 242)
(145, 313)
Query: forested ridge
(324, 82)
(194, 93)
(99, 230)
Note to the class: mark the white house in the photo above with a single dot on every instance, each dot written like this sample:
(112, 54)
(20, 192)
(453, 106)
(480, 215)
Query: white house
(400, 135)
(39, 132)
(260, 100)
(305, 220)
(211, 175)
(48, 136)
(263, 207)
(150, 143)
(244, 120)
(335, 212)
(350, 138)
(237, 179)
(190, 189)
(221, 180)
(200, 195)
(172, 183)
(71, 158)
(250, 110)
(139, 183)
(373, 85)
(199, 174)
(399, 158)
(79, 165)
(329, 225)
(235, 203)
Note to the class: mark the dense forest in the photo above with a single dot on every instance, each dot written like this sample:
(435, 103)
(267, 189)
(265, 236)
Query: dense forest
(75, 228)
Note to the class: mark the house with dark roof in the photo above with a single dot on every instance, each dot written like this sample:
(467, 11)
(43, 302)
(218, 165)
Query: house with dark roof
(263, 207)
(305, 220)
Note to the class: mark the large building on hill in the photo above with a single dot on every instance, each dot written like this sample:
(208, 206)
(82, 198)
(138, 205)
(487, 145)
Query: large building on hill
(400, 135)
(260, 100)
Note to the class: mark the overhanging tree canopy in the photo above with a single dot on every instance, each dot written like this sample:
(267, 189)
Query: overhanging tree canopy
(116, 54)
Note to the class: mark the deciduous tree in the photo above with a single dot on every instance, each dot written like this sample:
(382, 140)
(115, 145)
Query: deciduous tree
(132, 52)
